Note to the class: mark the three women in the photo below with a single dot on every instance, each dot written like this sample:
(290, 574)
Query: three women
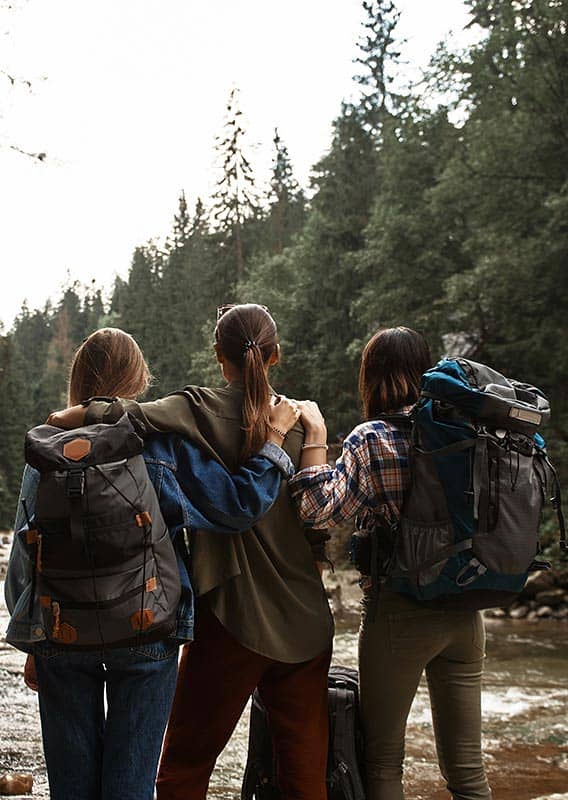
(262, 617)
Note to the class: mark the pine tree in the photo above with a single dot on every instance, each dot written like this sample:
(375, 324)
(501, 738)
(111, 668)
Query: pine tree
(16, 416)
(199, 226)
(413, 243)
(182, 223)
(321, 283)
(93, 309)
(235, 199)
(287, 201)
(138, 303)
(177, 300)
(380, 60)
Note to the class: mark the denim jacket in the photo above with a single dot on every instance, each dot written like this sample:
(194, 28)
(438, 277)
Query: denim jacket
(194, 492)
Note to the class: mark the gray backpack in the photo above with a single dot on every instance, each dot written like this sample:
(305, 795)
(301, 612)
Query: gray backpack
(105, 568)
(480, 475)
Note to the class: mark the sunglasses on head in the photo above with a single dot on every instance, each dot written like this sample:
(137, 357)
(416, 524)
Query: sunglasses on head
(227, 307)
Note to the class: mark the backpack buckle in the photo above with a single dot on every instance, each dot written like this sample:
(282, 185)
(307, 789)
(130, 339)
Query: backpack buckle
(75, 484)
(475, 568)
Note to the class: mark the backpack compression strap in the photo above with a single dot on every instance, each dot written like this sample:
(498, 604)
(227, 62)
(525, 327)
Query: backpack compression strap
(556, 501)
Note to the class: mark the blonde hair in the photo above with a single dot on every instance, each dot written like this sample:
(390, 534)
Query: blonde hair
(109, 363)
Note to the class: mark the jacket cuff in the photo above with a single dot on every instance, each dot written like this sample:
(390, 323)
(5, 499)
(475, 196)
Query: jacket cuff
(279, 458)
(100, 411)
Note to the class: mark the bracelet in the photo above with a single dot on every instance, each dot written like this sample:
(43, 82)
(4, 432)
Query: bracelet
(309, 446)
(275, 430)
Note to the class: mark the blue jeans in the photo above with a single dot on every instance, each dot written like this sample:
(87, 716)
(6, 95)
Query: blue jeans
(93, 755)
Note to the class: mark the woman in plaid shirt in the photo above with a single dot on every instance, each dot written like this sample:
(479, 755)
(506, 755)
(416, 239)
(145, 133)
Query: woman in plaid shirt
(404, 638)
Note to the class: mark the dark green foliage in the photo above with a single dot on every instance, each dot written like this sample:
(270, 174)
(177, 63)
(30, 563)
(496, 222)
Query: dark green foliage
(34, 363)
(287, 210)
(414, 240)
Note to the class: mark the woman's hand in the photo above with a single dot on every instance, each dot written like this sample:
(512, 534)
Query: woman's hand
(30, 674)
(283, 414)
(73, 417)
(313, 421)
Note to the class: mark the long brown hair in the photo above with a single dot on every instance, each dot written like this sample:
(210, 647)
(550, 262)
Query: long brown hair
(247, 336)
(109, 363)
(392, 364)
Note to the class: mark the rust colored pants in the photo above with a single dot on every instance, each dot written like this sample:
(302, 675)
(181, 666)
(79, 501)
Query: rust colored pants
(216, 677)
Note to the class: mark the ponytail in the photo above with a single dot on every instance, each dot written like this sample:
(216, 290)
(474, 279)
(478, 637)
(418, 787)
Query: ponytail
(247, 336)
(255, 401)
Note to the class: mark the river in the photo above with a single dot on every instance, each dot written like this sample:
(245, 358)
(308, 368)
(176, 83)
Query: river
(525, 710)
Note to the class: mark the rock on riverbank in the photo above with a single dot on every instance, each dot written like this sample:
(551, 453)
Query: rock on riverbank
(545, 596)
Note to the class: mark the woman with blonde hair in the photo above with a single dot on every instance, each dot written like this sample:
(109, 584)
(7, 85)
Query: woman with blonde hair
(98, 751)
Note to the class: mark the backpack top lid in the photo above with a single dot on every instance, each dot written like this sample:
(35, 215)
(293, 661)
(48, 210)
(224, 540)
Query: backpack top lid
(486, 396)
(48, 448)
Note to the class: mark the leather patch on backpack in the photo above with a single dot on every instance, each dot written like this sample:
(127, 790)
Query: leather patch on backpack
(141, 620)
(67, 633)
(77, 449)
(32, 537)
(151, 584)
(143, 519)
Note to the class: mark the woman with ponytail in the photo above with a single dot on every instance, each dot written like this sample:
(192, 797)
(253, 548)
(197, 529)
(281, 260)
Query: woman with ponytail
(262, 617)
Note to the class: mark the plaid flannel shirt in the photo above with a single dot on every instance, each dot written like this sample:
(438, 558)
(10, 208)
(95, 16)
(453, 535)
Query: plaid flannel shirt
(369, 478)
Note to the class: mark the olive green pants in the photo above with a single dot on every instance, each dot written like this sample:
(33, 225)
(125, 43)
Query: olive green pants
(395, 648)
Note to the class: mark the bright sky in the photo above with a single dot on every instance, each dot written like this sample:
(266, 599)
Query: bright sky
(134, 96)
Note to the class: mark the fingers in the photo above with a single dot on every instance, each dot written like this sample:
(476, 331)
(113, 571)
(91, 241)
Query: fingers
(313, 420)
(30, 675)
(284, 413)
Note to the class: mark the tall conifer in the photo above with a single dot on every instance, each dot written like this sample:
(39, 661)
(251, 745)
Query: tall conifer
(235, 199)
(287, 200)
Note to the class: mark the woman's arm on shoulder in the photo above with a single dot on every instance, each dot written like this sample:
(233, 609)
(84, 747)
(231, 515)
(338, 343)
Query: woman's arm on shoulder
(230, 502)
(165, 415)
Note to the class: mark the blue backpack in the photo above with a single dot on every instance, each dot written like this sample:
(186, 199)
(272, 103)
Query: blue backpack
(479, 474)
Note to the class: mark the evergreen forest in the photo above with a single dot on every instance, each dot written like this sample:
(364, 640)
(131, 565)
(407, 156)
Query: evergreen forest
(442, 206)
